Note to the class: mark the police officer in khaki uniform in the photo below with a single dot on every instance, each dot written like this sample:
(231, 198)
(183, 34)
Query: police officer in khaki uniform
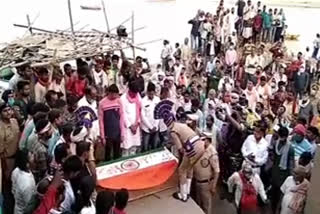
(206, 173)
(187, 142)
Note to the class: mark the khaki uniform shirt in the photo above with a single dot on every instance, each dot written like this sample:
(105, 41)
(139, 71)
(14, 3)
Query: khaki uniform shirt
(9, 138)
(208, 166)
(184, 137)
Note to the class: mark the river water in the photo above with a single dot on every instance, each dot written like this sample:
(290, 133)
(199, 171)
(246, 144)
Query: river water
(165, 19)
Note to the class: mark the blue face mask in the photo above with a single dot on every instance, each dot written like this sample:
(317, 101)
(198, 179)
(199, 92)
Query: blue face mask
(11, 101)
(297, 138)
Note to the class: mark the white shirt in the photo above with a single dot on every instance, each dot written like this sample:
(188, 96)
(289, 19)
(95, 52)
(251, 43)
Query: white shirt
(286, 188)
(253, 61)
(129, 117)
(148, 122)
(264, 91)
(229, 85)
(166, 52)
(69, 197)
(89, 210)
(261, 61)
(187, 106)
(259, 150)
(278, 78)
(23, 188)
(100, 79)
(94, 131)
(40, 93)
(235, 182)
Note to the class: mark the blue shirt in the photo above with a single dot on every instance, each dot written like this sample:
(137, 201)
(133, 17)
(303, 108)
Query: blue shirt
(300, 148)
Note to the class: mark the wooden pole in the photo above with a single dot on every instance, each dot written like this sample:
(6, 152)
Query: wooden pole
(29, 24)
(34, 28)
(105, 15)
(132, 36)
(70, 16)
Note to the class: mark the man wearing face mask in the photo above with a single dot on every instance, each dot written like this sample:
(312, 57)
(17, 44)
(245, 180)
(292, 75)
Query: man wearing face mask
(40, 148)
(283, 164)
(299, 142)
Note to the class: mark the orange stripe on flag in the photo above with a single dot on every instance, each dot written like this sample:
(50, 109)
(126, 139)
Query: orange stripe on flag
(141, 179)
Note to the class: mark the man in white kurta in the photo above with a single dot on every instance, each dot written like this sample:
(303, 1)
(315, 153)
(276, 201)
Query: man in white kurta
(131, 105)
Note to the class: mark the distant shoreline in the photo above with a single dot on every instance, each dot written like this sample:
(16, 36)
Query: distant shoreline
(287, 3)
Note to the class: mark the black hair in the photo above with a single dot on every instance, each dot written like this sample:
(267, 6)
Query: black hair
(186, 93)
(29, 107)
(61, 152)
(24, 66)
(133, 86)
(66, 129)
(164, 90)
(88, 89)
(21, 84)
(67, 65)
(302, 121)
(83, 69)
(281, 83)
(104, 202)
(261, 104)
(42, 71)
(151, 87)
(41, 124)
(283, 132)
(115, 57)
(72, 100)
(195, 102)
(121, 199)
(54, 114)
(263, 78)
(86, 188)
(5, 95)
(22, 160)
(82, 147)
(39, 116)
(39, 107)
(113, 89)
(60, 103)
(72, 164)
(305, 158)
(77, 130)
(313, 130)
(49, 95)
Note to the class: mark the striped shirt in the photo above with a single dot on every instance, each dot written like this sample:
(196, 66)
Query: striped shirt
(300, 148)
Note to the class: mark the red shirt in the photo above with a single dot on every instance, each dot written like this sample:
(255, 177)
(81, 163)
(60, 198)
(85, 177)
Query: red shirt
(48, 201)
(78, 87)
(257, 23)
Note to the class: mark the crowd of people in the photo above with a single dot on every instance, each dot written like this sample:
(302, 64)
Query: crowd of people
(236, 86)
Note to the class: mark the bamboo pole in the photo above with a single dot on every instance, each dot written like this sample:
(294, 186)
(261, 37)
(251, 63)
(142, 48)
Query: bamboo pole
(29, 24)
(152, 41)
(105, 15)
(70, 16)
(34, 28)
(132, 36)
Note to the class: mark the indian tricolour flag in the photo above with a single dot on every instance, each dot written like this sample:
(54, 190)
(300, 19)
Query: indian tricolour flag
(138, 172)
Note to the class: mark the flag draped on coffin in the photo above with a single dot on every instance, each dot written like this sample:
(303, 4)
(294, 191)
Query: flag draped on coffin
(139, 172)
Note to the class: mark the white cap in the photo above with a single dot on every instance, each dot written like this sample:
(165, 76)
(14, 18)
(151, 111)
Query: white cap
(170, 78)
(193, 117)
(161, 73)
(207, 134)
